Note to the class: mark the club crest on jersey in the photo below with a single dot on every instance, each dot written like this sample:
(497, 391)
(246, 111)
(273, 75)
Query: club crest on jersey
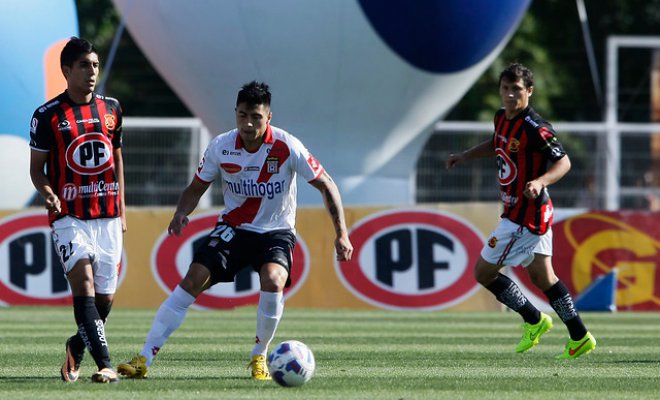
(492, 242)
(514, 145)
(272, 165)
(110, 122)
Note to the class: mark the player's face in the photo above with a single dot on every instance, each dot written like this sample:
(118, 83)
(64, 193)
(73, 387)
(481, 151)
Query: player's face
(252, 122)
(515, 96)
(81, 77)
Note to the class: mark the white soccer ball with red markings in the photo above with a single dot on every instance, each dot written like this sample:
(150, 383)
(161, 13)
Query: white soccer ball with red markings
(291, 363)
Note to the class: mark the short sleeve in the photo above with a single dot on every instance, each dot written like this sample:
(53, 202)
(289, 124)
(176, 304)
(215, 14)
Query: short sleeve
(306, 165)
(40, 132)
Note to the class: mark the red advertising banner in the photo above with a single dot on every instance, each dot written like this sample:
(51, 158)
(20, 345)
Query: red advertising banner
(589, 245)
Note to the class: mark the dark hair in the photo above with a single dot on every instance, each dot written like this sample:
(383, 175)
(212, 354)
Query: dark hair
(517, 71)
(254, 93)
(74, 48)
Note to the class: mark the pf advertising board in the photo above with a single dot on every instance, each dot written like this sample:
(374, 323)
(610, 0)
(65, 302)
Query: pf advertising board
(419, 259)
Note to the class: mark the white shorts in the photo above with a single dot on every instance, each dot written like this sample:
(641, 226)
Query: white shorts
(511, 244)
(99, 240)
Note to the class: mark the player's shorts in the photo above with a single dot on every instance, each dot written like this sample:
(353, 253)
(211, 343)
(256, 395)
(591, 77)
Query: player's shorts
(226, 251)
(99, 240)
(511, 244)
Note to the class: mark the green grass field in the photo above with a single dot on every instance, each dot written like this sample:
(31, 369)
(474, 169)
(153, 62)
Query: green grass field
(360, 355)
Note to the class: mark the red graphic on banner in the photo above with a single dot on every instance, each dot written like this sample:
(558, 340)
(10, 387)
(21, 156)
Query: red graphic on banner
(589, 245)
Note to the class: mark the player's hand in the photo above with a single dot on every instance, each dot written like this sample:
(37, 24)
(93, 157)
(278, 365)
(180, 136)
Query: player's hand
(344, 248)
(453, 160)
(179, 221)
(53, 204)
(533, 189)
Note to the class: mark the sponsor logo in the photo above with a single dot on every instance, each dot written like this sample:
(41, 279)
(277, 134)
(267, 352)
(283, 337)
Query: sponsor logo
(64, 126)
(110, 121)
(33, 126)
(88, 121)
(231, 153)
(90, 154)
(172, 255)
(545, 133)
(531, 121)
(314, 163)
(416, 259)
(31, 272)
(43, 109)
(95, 189)
(508, 200)
(230, 168)
(252, 169)
(252, 188)
(506, 169)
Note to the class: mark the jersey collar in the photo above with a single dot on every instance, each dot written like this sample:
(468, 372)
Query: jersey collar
(268, 138)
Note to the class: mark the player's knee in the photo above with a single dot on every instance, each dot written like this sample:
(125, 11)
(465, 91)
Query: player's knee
(273, 278)
(485, 273)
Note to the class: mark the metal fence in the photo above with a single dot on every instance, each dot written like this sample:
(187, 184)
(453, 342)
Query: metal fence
(585, 186)
(161, 156)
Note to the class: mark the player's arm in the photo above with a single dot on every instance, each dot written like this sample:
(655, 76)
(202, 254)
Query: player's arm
(187, 203)
(332, 201)
(40, 181)
(483, 149)
(555, 172)
(119, 172)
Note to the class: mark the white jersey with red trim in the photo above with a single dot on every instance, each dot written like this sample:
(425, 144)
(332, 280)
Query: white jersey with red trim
(259, 188)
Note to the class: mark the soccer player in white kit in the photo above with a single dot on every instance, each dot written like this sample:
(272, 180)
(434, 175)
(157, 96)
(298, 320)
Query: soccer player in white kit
(257, 165)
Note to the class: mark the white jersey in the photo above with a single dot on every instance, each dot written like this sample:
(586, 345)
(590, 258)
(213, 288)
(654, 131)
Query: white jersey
(259, 188)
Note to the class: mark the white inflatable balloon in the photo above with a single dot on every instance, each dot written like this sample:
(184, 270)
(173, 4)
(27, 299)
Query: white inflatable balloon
(360, 82)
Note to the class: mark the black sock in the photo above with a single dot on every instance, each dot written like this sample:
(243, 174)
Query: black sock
(562, 302)
(91, 330)
(76, 343)
(508, 293)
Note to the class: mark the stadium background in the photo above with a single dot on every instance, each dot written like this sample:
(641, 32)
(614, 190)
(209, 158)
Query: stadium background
(570, 82)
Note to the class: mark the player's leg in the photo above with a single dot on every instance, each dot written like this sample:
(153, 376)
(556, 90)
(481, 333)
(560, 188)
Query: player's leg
(90, 324)
(543, 276)
(169, 317)
(75, 347)
(75, 244)
(274, 276)
(511, 244)
(209, 265)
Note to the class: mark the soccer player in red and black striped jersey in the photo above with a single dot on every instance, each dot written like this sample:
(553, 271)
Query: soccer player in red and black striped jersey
(76, 165)
(529, 159)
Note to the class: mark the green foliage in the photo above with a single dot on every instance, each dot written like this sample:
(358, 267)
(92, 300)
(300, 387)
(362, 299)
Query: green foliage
(360, 355)
(550, 41)
(132, 79)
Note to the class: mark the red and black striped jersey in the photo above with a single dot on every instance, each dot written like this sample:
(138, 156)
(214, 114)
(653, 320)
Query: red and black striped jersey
(80, 140)
(524, 146)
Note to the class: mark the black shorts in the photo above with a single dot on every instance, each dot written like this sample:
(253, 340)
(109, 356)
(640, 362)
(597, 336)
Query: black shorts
(226, 251)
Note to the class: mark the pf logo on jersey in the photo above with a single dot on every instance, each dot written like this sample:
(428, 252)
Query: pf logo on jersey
(90, 154)
(506, 169)
(172, 255)
(417, 259)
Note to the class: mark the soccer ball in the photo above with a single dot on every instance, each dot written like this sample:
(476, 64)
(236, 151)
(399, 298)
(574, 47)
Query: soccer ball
(291, 363)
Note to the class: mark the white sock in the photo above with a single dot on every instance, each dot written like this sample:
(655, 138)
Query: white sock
(269, 313)
(168, 318)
